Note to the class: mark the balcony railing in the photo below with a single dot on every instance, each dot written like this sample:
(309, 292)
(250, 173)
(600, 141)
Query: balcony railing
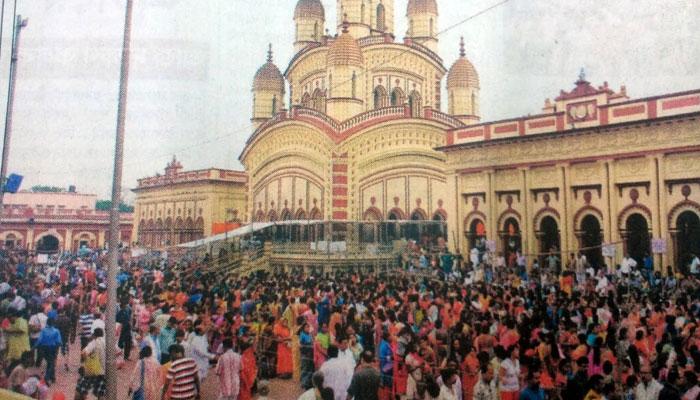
(396, 111)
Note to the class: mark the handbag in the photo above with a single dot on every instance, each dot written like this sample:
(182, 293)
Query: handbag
(92, 365)
(140, 393)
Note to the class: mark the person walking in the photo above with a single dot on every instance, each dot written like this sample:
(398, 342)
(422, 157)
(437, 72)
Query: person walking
(146, 377)
(228, 369)
(47, 345)
(124, 316)
(17, 337)
(200, 351)
(182, 376)
(93, 375)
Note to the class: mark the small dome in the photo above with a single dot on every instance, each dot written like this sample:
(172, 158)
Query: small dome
(422, 7)
(344, 50)
(269, 76)
(309, 9)
(462, 74)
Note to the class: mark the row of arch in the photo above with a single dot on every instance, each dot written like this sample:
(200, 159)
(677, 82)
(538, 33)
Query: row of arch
(287, 215)
(380, 13)
(316, 101)
(634, 226)
(398, 97)
(166, 232)
(49, 242)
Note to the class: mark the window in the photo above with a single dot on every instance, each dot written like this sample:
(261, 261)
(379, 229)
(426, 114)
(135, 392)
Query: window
(380, 97)
(398, 98)
(473, 103)
(274, 105)
(415, 103)
(306, 100)
(316, 38)
(381, 18)
(318, 100)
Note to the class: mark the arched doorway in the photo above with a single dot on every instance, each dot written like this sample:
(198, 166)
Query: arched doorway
(392, 227)
(476, 234)
(687, 238)
(414, 229)
(549, 237)
(369, 228)
(637, 237)
(47, 244)
(591, 240)
(438, 227)
(512, 240)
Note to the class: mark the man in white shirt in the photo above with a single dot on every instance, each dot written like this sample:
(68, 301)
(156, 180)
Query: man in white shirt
(98, 322)
(344, 352)
(337, 374)
(649, 388)
(448, 389)
(694, 265)
(627, 265)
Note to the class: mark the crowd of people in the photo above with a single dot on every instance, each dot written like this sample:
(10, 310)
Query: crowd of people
(441, 327)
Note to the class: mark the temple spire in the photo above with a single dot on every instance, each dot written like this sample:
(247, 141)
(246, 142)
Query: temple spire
(582, 75)
(346, 24)
(462, 52)
(269, 54)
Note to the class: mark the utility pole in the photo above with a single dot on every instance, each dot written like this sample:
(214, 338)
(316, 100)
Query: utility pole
(114, 228)
(19, 24)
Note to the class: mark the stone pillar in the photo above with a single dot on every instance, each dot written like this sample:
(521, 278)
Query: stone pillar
(101, 238)
(566, 228)
(68, 243)
(529, 241)
(611, 233)
(29, 240)
(669, 257)
(492, 228)
(453, 206)
(652, 163)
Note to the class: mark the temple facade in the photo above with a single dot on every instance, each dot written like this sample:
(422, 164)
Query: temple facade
(356, 129)
(356, 137)
(594, 172)
(182, 206)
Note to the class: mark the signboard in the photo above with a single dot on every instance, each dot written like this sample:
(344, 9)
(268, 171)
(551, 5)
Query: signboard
(658, 246)
(609, 250)
(491, 245)
(42, 258)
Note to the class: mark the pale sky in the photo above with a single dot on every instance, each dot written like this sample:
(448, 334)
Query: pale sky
(193, 63)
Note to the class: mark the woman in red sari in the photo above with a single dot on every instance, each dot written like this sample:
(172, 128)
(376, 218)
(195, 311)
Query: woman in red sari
(283, 336)
(249, 371)
(470, 374)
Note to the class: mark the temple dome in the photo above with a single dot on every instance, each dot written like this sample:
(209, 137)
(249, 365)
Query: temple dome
(269, 76)
(309, 8)
(462, 74)
(422, 7)
(345, 51)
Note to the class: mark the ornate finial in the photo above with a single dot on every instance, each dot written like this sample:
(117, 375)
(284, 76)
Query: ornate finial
(582, 75)
(346, 24)
(462, 52)
(269, 54)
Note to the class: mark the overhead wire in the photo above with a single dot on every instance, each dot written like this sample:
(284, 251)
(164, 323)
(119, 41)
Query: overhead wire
(248, 127)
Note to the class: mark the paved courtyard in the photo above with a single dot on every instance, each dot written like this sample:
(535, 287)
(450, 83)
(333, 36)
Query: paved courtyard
(66, 381)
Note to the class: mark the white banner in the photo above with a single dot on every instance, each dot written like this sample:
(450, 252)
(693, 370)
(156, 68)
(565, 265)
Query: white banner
(658, 246)
(491, 245)
(609, 250)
